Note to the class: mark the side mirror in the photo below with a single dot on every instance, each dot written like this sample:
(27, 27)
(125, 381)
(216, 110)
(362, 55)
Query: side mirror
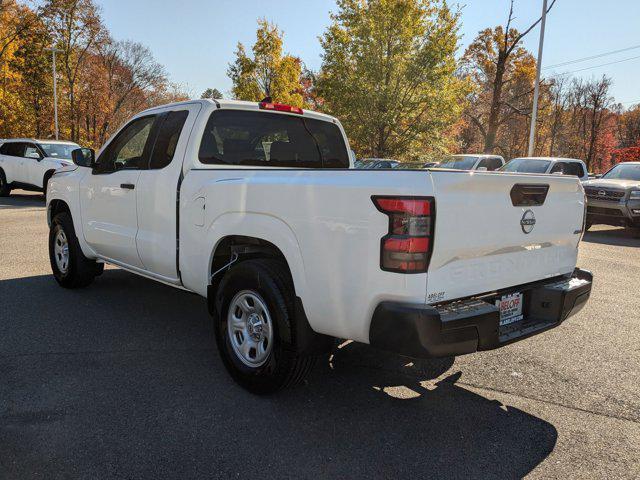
(35, 155)
(599, 175)
(84, 157)
(481, 169)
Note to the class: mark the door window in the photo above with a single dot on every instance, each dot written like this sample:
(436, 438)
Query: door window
(31, 151)
(129, 150)
(13, 149)
(167, 140)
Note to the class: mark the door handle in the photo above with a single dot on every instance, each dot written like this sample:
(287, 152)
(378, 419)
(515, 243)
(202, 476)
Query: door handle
(128, 186)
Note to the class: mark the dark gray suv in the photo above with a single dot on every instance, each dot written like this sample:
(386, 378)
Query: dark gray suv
(614, 198)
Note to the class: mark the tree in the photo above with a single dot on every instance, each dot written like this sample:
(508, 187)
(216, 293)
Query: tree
(492, 60)
(76, 28)
(269, 73)
(629, 130)
(211, 93)
(388, 74)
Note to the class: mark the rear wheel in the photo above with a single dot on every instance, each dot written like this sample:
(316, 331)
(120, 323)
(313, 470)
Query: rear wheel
(70, 267)
(5, 190)
(255, 328)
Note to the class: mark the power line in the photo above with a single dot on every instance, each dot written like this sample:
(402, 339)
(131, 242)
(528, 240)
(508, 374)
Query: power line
(594, 66)
(584, 59)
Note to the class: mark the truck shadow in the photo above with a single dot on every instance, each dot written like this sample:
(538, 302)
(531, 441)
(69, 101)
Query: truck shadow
(22, 199)
(121, 380)
(622, 237)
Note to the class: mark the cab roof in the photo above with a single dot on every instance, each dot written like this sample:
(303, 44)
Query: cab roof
(239, 105)
(36, 140)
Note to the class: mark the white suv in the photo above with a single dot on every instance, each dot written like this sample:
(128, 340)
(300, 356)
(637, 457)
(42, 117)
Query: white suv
(28, 164)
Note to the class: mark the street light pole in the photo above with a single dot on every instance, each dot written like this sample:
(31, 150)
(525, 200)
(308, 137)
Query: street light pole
(54, 50)
(536, 90)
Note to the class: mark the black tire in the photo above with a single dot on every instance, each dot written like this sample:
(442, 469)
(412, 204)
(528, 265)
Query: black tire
(80, 271)
(5, 189)
(271, 281)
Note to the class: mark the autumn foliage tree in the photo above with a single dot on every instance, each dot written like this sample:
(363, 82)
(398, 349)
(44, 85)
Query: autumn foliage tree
(101, 81)
(388, 74)
(268, 72)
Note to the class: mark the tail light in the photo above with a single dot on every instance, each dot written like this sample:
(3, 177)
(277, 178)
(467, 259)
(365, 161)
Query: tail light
(408, 245)
(280, 107)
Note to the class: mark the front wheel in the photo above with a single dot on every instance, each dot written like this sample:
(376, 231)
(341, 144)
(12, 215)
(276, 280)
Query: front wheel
(5, 190)
(70, 267)
(255, 327)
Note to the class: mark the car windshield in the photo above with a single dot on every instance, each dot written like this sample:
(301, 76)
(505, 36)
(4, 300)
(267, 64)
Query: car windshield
(458, 162)
(526, 165)
(624, 172)
(59, 150)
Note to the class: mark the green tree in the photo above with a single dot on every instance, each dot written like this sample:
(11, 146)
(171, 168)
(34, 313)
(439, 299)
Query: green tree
(388, 74)
(211, 93)
(269, 73)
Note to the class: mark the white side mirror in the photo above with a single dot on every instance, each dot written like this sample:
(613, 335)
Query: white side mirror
(481, 169)
(34, 155)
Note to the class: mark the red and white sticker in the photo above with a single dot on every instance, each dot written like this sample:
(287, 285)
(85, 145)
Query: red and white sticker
(510, 308)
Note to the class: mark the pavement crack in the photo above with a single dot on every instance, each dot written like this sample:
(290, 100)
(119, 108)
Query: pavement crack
(550, 402)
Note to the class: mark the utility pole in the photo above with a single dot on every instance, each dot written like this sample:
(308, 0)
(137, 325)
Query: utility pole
(53, 51)
(536, 91)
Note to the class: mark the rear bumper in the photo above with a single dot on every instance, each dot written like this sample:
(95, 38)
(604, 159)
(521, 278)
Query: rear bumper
(467, 326)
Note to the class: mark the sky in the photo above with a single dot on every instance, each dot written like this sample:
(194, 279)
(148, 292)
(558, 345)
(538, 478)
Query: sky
(195, 39)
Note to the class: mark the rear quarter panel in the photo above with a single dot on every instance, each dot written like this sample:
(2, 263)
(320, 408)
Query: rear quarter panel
(323, 221)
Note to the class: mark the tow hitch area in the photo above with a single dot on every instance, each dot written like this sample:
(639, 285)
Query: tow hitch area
(481, 323)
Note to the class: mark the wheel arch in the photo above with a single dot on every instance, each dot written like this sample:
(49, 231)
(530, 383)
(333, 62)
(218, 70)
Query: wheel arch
(47, 175)
(237, 248)
(57, 206)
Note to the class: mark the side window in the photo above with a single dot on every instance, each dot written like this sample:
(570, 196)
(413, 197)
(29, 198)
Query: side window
(494, 164)
(573, 168)
(13, 149)
(484, 163)
(167, 139)
(31, 151)
(558, 168)
(580, 169)
(129, 150)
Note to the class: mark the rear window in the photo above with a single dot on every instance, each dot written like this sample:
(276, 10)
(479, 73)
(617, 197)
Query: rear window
(526, 165)
(237, 137)
(458, 163)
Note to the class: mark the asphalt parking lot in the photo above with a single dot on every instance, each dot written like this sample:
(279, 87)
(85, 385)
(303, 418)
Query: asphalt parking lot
(121, 380)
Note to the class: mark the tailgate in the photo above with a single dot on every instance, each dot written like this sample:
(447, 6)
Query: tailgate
(484, 243)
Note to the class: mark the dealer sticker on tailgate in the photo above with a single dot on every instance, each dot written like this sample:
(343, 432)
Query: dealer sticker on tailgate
(510, 308)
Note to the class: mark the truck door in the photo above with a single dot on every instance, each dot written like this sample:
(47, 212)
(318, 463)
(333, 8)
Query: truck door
(157, 192)
(108, 194)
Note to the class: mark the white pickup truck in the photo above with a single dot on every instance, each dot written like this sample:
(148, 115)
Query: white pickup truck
(254, 206)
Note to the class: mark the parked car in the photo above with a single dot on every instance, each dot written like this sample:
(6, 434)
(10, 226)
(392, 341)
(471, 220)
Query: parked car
(28, 164)
(292, 248)
(472, 162)
(552, 165)
(614, 198)
(377, 163)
